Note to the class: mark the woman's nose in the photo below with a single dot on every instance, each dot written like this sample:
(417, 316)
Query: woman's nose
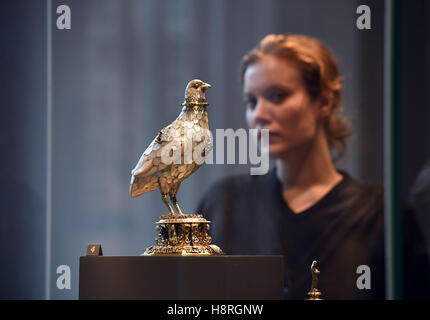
(262, 114)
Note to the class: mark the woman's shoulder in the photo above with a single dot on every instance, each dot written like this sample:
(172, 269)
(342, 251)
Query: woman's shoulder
(361, 189)
(358, 198)
(241, 181)
(238, 188)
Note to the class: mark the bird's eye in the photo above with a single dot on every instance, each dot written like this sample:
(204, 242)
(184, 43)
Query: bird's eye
(196, 86)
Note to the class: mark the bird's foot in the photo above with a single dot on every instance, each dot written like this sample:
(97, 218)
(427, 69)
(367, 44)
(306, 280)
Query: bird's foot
(180, 213)
(176, 205)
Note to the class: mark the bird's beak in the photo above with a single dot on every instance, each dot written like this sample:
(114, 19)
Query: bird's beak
(205, 86)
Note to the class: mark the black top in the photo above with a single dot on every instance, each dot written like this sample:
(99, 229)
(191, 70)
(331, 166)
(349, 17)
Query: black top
(342, 231)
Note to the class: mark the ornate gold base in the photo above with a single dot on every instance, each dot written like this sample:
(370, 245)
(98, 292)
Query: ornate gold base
(314, 294)
(183, 235)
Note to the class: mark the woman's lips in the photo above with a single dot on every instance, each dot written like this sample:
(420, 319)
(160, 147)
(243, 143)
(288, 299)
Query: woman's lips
(272, 135)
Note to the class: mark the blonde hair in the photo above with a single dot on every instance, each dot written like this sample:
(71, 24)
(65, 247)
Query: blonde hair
(320, 74)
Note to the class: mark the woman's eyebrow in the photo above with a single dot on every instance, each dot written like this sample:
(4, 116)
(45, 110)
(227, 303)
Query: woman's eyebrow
(276, 87)
(267, 89)
(247, 95)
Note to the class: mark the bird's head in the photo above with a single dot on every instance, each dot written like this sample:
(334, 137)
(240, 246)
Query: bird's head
(195, 93)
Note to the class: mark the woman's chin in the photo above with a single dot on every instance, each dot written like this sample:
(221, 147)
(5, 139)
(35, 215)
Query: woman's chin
(276, 151)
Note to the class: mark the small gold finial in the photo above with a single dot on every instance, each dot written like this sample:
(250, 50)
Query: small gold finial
(314, 293)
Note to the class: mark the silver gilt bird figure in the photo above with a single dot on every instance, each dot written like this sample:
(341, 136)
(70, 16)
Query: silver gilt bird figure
(156, 168)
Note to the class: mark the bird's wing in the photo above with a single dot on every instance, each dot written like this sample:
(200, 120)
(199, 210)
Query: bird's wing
(145, 162)
(165, 134)
(144, 175)
(141, 185)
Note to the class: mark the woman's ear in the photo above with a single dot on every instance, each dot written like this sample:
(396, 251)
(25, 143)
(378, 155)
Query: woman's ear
(326, 104)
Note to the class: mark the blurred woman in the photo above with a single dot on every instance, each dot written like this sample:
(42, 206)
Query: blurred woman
(304, 209)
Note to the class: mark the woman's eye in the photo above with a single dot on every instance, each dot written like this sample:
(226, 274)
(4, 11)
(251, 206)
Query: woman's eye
(250, 103)
(277, 96)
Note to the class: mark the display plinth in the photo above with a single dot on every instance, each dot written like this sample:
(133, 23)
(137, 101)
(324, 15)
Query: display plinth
(218, 277)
